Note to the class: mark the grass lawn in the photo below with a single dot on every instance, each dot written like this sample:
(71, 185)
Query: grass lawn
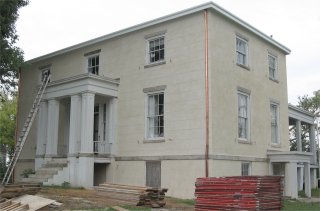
(300, 206)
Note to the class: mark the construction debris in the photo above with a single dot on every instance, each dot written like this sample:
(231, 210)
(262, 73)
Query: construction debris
(239, 193)
(133, 195)
(9, 205)
(11, 191)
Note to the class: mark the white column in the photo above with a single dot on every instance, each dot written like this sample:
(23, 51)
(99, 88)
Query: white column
(74, 138)
(300, 178)
(41, 134)
(313, 178)
(313, 144)
(307, 182)
(113, 111)
(53, 128)
(298, 135)
(87, 112)
(291, 186)
(86, 160)
(75, 124)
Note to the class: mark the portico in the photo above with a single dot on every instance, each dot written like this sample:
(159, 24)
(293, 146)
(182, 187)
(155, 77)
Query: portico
(77, 121)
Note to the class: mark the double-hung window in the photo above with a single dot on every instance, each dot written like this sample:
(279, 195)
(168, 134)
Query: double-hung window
(245, 169)
(274, 113)
(93, 64)
(242, 51)
(273, 73)
(243, 116)
(156, 50)
(155, 115)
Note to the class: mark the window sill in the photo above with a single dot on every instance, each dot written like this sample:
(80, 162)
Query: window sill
(274, 80)
(154, 64)
(244, 141)
(244, 66)
(154, 140)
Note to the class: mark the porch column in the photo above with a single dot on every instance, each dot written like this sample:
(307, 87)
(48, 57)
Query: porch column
(300, 178)
(113, 125)
(52, 128)
(291, 188)
(75, 124)
(313, 144)
(313, 175)
(298, 135)
(86, 160)
(41, 134)
(307, 182)
(74, 138)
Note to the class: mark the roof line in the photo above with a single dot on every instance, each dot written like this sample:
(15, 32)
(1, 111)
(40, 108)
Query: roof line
(208, 5)
(301, 110)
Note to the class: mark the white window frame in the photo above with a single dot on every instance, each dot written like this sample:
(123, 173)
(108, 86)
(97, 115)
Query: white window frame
(245, 53)
(96, 66)
(148, 56)
(149, 136)
(277, 136)
(247, 137)
(45, 72)
(275, 68)
(243, 170)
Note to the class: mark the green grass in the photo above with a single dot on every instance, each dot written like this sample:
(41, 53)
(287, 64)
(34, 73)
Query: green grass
(300, 206)
(183, 201)
(315, 193)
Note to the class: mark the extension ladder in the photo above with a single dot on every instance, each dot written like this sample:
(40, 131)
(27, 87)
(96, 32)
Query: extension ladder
(25, 130)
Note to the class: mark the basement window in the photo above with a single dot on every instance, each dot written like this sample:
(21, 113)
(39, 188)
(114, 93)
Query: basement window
(245, 169)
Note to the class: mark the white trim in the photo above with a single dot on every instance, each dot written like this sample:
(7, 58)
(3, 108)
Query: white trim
(209, 5)
(247, 139)
(148, 62)
(278, 142)
(246, 62)
(276, 75)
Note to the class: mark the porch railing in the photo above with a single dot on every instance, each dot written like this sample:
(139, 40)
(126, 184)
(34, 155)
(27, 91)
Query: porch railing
(101, 147)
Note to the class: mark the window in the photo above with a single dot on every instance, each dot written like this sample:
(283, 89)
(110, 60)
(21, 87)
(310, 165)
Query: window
(93, 64)
(274, 111)
(242, 51)
(156, 50)
(243, 115)
(245, 169)
(272, 67)
(44, 74)
(155, 115)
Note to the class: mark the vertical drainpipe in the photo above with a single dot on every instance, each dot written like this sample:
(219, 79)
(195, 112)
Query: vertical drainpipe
(17, 112)
(206, 91)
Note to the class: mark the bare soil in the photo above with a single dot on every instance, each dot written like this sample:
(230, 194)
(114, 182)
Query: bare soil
(72, 199)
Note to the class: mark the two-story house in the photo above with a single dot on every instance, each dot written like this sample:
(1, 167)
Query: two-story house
(195, 93)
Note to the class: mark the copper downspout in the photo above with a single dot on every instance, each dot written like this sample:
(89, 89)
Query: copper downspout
(207, 89)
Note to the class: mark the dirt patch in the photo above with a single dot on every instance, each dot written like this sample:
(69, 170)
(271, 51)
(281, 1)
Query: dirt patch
(88, 199)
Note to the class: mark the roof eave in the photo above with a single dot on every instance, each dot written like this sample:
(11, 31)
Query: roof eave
(209, 5)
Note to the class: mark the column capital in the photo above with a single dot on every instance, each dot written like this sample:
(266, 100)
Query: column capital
(87, 93)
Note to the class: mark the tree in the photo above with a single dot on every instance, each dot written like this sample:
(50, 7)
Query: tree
(7, 131)
(311, 104)
(11, 56)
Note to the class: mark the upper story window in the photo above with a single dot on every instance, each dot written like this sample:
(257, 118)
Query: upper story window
(156, 50)
(155, 115)
(273, 67)
(44, 74)
(274, 113)
(243, 116)
(93, 64)
(242, 51)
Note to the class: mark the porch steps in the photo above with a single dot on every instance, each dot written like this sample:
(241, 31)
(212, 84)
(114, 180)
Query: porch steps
(47, 171)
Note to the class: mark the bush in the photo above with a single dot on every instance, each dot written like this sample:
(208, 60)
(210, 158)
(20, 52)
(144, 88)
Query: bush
(25, 173)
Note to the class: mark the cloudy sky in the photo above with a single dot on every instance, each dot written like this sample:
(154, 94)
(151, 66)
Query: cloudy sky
(45, 26)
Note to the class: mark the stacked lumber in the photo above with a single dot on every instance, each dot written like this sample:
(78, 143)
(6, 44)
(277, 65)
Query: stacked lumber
(9, 205)
(133, 195)
(11, 191)
(239, 193)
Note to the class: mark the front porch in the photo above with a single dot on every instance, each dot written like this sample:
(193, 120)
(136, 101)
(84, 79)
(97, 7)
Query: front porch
(76, 120)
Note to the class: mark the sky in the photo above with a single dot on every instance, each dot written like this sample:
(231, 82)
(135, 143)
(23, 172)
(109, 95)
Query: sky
(45, 26)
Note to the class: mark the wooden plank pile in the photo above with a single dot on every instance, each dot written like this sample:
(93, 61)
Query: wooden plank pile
(133, 195)
(9, 205)
(239, 193)
(11, 191)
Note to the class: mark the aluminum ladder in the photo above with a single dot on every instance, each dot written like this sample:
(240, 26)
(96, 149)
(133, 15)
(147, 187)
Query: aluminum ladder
(25, 130)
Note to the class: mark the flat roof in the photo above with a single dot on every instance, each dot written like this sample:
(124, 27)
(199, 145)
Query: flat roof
(206, 6)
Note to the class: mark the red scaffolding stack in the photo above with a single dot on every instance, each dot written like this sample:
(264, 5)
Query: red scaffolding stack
(239, 193)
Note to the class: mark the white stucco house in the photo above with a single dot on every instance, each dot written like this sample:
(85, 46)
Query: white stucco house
(195, 93)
